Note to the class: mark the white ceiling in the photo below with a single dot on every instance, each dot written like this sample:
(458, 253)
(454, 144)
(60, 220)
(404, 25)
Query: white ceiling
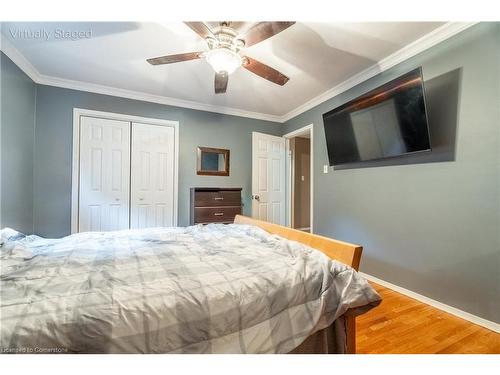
(316, 57)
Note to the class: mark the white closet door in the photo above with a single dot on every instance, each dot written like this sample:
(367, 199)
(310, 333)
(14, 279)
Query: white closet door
(104, 174)
(152, 178)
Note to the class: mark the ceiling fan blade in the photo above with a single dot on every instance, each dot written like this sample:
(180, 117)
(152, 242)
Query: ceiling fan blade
(265, 71)
(239, 26)
(263, 30)
(221, 82)
(170, 59)
(200, 28)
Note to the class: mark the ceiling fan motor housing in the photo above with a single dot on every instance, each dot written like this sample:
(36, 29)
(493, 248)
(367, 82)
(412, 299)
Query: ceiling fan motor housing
(225, 36)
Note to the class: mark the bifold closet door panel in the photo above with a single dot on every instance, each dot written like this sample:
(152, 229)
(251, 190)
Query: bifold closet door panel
(104, 180)
(152, 177)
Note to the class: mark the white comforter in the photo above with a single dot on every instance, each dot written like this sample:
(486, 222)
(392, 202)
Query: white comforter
(200, 289)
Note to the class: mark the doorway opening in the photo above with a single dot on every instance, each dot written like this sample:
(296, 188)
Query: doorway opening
(299, 150)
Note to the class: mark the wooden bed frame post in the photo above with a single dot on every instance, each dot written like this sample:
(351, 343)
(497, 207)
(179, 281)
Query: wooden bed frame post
(344, 252)
(350, 323)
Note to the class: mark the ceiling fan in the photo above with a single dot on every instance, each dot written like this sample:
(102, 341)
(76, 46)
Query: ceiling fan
(225, 44)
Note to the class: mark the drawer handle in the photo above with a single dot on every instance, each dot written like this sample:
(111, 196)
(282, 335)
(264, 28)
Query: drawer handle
(218, 213)
(219, 198)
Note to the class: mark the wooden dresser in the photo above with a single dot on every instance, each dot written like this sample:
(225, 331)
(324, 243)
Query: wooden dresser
(214, 205)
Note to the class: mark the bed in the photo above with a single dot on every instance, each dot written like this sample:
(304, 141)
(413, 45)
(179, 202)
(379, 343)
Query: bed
(247, 287)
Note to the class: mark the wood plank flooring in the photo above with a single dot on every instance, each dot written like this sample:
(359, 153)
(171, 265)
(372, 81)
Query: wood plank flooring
(403, 325)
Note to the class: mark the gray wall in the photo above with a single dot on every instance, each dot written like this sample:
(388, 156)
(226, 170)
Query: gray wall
(17, 130)
(53, 147)
(428, 223)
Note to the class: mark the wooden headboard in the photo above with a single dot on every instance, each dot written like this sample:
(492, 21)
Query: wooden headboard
(344, 252)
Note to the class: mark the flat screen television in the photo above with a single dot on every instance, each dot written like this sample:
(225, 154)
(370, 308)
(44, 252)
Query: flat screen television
(388, 121)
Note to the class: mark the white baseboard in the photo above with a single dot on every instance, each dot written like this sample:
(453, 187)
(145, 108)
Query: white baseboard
(438, 305)
(304, 228)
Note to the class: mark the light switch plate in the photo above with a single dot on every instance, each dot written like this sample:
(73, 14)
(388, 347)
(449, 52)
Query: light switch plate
(325, 168)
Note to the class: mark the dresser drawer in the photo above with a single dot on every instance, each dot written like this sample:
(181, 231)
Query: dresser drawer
(217, 198)
(215, 214)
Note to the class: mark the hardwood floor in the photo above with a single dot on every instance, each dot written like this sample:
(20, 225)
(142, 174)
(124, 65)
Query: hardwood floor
(401, 324)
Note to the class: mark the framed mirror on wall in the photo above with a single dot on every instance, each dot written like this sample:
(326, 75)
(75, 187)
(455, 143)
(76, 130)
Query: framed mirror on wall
(212, 161)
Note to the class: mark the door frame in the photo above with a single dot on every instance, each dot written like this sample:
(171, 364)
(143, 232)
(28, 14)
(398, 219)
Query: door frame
(289, 179)
(75, 171)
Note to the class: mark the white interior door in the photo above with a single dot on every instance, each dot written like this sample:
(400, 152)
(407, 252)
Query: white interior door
(268, 178)
(152, 177)
(104, 179)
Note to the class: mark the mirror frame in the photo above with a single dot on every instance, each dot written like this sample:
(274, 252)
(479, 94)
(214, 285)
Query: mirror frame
(201, 172)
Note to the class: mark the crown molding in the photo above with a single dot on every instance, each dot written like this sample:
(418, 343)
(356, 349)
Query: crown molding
(18, 59)
(427, 41)
(142, 96)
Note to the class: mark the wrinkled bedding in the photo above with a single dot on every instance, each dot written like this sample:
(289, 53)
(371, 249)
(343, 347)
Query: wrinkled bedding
(200, 289)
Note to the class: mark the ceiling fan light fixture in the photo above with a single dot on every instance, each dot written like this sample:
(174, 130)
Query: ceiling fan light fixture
(223, 60)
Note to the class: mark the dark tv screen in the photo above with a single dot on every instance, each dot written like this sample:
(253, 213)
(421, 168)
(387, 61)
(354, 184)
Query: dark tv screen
(386, 122)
